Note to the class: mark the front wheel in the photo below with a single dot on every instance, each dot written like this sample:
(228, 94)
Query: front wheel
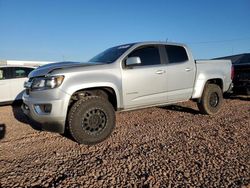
(91, 120)
(211, 99)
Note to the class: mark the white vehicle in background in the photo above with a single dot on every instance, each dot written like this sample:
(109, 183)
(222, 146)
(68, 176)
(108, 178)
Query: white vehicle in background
(13, 74)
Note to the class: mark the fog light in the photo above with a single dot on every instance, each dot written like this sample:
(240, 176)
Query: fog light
(43, 108)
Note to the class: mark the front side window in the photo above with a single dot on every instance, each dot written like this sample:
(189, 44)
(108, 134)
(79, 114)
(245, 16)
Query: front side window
(176, 54)
(149, 55)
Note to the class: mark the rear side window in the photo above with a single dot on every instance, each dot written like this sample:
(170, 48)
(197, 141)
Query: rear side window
(149, 55)
(176, 54)
(21, 72)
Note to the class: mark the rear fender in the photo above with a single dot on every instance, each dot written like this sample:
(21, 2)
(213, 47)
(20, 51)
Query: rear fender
(201, 83)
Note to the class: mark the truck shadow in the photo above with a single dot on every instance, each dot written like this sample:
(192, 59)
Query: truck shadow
(179, 108)
(2, 131)
(238, 97)
(67, 135)
(21, 117)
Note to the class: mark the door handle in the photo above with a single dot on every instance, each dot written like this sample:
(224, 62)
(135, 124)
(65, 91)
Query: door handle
(160, 71)
(187, 69)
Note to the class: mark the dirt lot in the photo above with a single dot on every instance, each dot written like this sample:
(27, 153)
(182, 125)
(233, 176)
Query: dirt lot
(173, 146)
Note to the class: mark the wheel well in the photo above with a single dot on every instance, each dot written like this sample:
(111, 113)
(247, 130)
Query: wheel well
(106, 92)
(217, 81)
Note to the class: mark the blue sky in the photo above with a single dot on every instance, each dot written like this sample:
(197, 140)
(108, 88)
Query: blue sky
(56, 30)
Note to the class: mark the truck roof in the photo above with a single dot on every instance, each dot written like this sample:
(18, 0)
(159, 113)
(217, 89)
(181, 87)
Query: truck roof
(160, 42)
(152, 43)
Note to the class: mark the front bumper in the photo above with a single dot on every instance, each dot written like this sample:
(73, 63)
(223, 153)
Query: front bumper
(54, 120)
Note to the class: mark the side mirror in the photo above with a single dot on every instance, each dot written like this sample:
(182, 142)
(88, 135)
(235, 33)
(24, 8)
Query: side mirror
(133, 61)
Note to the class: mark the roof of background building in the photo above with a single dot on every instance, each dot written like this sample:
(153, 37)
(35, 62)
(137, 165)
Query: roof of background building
(24, 63)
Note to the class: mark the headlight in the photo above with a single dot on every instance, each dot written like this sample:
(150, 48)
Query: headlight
(41, 83)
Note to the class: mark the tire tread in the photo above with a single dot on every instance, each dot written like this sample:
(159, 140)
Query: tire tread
(203, 105)
(73, 111)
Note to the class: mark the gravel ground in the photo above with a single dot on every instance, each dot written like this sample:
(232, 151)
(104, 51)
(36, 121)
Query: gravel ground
(174, 146)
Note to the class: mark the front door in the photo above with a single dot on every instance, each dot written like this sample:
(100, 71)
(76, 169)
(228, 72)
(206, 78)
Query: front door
(5, 94)
(145, 84)
(19, 76)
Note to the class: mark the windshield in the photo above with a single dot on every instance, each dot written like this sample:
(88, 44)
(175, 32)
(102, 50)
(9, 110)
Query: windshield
(110, 55)
(244, 60)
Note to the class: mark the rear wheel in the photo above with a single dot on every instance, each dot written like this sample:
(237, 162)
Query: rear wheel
(211, 99)
(91, 120)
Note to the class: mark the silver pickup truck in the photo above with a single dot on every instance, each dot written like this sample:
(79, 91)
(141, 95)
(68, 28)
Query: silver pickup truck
(83, 97)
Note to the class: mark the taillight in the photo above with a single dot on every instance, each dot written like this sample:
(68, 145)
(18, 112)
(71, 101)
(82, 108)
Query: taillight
(232, 72)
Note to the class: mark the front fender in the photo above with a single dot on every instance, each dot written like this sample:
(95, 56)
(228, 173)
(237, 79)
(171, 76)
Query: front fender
(76, 87)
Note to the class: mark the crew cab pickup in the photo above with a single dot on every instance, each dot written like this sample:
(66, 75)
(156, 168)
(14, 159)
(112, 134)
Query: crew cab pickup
(83, 97)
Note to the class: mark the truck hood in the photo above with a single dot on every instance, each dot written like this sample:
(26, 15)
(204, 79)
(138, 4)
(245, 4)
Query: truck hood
(48, 68)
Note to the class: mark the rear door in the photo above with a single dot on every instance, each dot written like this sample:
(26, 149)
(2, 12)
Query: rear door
(180, 73)
(5, 93)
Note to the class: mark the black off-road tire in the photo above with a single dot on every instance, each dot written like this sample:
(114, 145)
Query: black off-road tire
(91, 120)
(211, 100)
